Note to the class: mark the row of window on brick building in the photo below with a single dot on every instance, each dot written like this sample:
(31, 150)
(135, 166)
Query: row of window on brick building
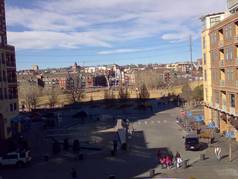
(8, 60)
(217, 97)
(8, 93)
(228, 54)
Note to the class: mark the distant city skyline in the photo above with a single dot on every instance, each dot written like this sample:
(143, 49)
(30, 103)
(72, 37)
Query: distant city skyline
(53, 33)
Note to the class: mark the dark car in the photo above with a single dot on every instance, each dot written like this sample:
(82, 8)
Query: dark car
(192, 142)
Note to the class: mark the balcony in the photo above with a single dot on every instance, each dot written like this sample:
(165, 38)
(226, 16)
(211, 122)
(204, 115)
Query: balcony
(236, 62)
(221, 45)
(217, 105)
(222, 63)
(222, 83)
(223, 107)
(236, 39)
(232, 110)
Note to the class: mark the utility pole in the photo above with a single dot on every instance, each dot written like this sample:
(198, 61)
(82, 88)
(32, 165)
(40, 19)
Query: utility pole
(191, 51)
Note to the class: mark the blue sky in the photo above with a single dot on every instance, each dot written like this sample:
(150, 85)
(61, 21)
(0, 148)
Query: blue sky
(56, 33)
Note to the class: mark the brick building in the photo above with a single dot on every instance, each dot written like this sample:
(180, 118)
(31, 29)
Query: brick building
(220, 65)
(8, 81)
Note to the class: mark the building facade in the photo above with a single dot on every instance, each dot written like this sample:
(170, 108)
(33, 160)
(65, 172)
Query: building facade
(220, 71)
(8, 81)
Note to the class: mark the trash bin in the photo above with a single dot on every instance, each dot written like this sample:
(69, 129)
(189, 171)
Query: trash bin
(152, 173)
(185, 164)
(202, 156)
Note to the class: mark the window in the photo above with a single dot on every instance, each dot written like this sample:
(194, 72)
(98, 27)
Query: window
(228, 32)
(217, 97)
(12, 156)
(1, 94)
(206, 94)
(214, 20)
(15, 106)
(1, 75)
(229, 74)
(213, 38)
(232, 100)
(204, 42)
(213, 55)
(204, 59)
(22, 155)
(5, 93)
(205, 75)
(229, 53)
(11, 107)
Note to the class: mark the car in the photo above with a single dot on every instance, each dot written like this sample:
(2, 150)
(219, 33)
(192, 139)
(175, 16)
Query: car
(19, 159)
(192, 142)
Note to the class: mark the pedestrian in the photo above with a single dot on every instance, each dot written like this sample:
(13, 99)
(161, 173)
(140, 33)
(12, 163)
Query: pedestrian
(177, 155)
(73, 173)
(218, 152)
(167, 161)
(178, 159)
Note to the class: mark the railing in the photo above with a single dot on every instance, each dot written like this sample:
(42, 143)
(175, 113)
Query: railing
(236, 61)
(236, 39)
(222, 83)
(232, 110)
(217, 105)
(224, 107)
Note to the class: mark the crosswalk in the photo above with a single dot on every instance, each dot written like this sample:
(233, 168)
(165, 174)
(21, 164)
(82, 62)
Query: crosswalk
(150, 122)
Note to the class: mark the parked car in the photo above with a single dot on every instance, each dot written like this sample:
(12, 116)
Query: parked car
(192, 142)
(16, 158)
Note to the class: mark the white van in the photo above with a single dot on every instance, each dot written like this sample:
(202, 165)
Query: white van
(16, 158)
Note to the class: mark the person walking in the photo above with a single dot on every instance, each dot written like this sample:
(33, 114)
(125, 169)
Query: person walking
(217, 151)
(73, 173)
(178, 159)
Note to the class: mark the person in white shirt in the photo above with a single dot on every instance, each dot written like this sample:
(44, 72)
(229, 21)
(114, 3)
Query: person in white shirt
(218, 152)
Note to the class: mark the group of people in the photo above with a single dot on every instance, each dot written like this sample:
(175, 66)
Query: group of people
(168, 161)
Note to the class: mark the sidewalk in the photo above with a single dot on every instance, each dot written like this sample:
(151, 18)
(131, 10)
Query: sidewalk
(211, 168)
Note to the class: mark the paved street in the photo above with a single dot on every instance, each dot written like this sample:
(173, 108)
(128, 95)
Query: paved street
(150, 133)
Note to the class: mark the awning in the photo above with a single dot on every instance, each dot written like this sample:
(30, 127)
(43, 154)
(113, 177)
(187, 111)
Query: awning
(198, 118)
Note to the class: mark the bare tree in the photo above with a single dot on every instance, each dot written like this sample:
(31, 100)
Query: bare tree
(29, 94)
(53, 95)
(123, 93)
(109, 95)
(143, 92)
(187, 93)
(76, 93)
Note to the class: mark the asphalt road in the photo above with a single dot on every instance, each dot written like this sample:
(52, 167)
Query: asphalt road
(159, 130)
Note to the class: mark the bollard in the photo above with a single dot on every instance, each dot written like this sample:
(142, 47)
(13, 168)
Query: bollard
(202, 156)
(152, 173)
(185, 164)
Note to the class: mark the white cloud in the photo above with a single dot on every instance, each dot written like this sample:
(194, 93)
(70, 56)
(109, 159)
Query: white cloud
(103, 23)
(48, 40)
